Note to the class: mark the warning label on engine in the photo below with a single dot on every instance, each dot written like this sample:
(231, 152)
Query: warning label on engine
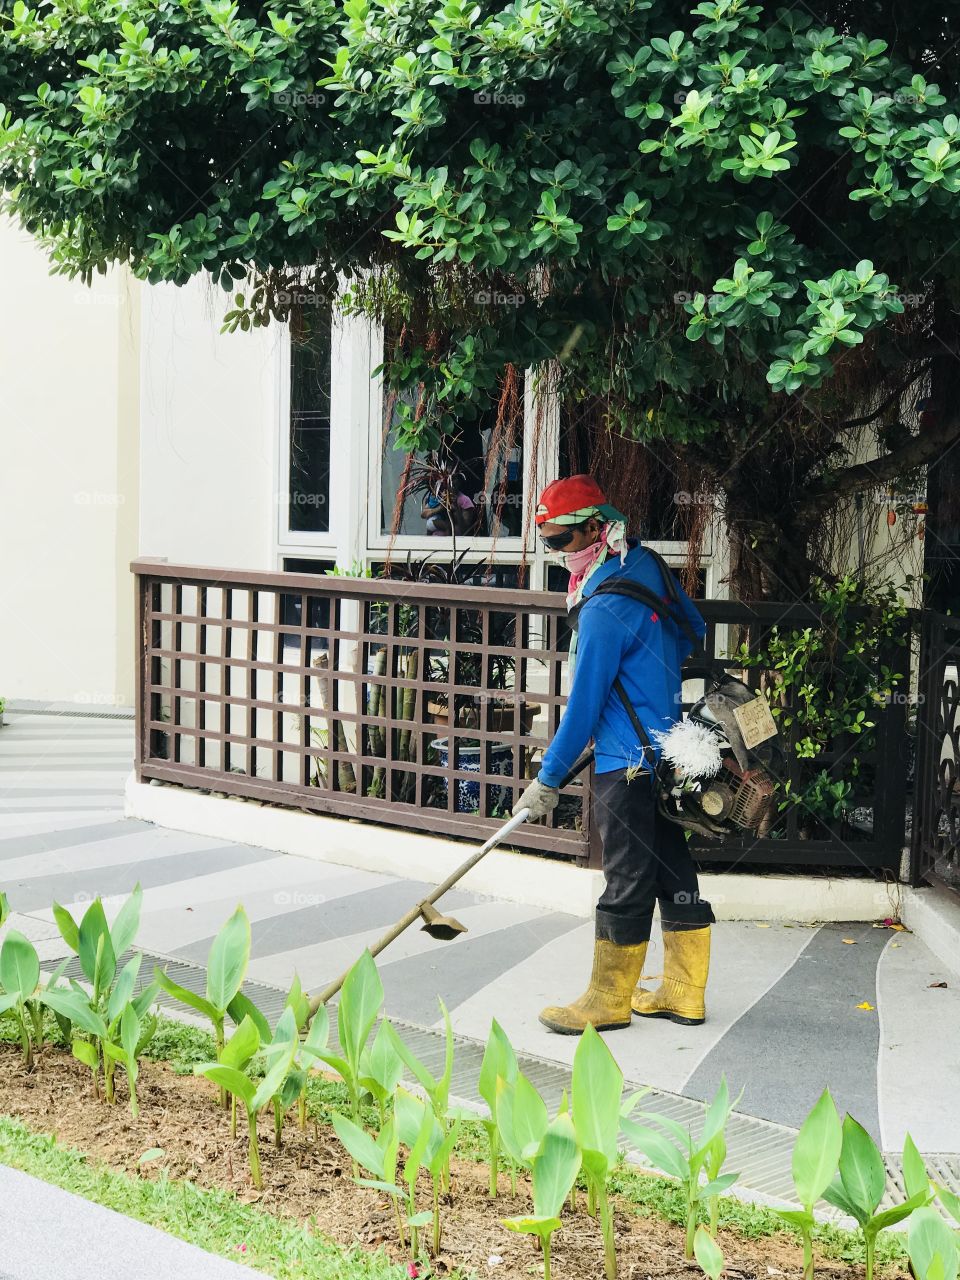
(755, 721)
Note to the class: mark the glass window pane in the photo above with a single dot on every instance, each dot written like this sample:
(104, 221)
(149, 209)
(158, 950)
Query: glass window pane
(309, 465)
(475, 477)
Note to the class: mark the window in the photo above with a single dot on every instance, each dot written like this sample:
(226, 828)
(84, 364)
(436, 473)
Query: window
(476, 478)
(308, 468)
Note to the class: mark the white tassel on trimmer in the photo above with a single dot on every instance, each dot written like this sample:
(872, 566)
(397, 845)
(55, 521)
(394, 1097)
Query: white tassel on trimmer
(692, 749)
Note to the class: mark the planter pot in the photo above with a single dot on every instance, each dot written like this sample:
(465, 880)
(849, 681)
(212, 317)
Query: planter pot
(468, 791)
(500, 718)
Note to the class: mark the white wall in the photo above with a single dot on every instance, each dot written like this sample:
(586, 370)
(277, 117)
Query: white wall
(68, 503)
(209, 425)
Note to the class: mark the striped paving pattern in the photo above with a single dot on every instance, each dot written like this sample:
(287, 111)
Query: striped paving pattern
(783, 1001)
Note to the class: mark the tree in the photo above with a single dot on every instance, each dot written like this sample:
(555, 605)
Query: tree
(733, 230)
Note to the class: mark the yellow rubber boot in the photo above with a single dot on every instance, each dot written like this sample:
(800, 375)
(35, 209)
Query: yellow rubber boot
(680, 996)
(606, 1002)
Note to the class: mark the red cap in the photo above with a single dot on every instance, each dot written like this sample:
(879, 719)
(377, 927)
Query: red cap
(563, 497)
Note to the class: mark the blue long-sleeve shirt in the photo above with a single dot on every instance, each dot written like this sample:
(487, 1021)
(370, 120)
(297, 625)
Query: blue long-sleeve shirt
(619, 636)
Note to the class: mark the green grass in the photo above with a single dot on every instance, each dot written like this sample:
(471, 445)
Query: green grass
(212, 1219)
(182, 1045)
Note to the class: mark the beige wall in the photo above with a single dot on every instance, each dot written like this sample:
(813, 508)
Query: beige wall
(208, 431)
(68, 458)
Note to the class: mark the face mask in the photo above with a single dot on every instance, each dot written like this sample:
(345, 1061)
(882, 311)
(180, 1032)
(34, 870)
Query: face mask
(578, 562)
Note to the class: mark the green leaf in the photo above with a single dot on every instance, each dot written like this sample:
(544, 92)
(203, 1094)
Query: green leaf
(360, 1145)
(915, 1177)
(381, 1067)
(929, 1239)
(596, 1088)
(241, 1007)
(130, 1036)
(816, 1152)
(708, 1254)
(555, 1168)
(862, 1170)
(286, 1035)
(123, 987)
(521, 1117)
(74, 1006)
(67, 926)
(19, 965)
(228, 959)
(231, 1079)
(658, 1149)
(127, 922)
(86, 1053)
(97, 959)
(242, 1045)
(189, 998)
(360, 1001)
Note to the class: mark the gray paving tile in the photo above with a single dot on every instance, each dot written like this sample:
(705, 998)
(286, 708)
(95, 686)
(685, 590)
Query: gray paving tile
(366, 908)
(33, 894)
(458, 970)
(44, 842)
(807, 1033)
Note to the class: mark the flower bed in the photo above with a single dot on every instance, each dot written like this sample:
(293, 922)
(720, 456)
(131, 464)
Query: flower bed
(385, 1169)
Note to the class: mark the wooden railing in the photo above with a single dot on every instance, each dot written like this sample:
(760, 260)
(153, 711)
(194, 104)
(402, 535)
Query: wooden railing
(421, 705)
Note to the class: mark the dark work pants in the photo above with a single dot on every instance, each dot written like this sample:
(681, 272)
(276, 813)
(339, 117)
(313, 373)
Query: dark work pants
(645, 862)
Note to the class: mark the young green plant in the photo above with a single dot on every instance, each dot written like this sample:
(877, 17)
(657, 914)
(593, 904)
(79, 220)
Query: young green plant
(19, 978)
(437, 1088)
(816, 1155)
(226, 968)
(232, 1072)
(119, 1024)
(596, 1089)
(687, 1160)
(555, 1168)
(361, 999)
(859, 1184)
(499, 1062)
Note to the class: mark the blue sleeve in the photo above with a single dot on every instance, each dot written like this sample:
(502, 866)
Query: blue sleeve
(601, 642)
(696, 621)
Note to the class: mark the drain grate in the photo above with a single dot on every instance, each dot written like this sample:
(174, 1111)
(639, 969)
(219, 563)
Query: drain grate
(69, 711)
(760, 1150)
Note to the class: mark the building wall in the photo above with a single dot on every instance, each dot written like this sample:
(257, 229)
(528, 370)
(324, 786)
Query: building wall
(69, 511)
(208, 429)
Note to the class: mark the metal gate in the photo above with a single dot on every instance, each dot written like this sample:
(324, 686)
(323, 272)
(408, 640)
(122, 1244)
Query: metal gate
(935, 843)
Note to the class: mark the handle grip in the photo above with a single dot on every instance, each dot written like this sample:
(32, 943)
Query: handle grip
(582, 761)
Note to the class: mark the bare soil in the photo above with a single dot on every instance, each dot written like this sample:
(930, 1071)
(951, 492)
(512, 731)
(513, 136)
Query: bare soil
(309, 1179)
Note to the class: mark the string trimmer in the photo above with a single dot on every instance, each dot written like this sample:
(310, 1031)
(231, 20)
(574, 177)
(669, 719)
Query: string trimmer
(436, 925)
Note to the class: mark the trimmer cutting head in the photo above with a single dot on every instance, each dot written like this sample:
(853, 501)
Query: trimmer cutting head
(443, 928)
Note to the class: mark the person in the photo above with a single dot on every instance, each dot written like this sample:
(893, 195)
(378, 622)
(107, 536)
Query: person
(437, 511)
(645, 856)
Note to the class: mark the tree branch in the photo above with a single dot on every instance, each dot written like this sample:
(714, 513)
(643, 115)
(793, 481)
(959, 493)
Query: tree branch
(917, 451)
(884, 404)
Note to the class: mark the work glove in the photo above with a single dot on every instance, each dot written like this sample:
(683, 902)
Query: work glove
(539, 799)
